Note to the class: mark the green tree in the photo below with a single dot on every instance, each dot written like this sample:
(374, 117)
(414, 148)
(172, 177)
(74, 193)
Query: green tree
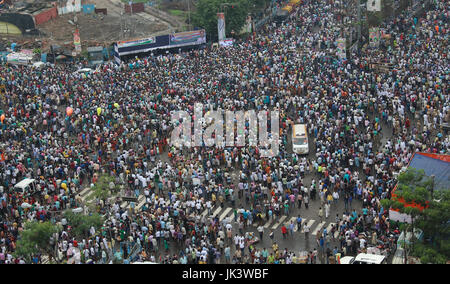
(414, 186)
(103, 188)
(36, 238)
(235, 11)
(435, 224)
(81, 224)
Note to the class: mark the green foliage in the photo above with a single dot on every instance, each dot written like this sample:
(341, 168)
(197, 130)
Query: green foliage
(413, 186)
(101, 189)
(434, 220)
(81, 223)
(236, 13)
(428, 255)
(35, 238)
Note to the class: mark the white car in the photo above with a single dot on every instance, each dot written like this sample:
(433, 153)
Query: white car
(85, 70)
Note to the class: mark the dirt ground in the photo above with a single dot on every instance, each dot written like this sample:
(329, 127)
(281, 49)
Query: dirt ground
(100, 28)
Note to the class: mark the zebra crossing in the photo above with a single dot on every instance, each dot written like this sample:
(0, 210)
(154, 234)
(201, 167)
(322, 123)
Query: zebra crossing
(45, 259)
(86, 194)
(137, 205)
(273, 223)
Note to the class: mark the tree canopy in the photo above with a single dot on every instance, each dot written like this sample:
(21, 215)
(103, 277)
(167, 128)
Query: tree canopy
(103, 187)
(434, 219)
(36, 238)
(81, 224)
(235, 11)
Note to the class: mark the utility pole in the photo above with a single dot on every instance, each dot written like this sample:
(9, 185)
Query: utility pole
(359, 21)
(189, 14)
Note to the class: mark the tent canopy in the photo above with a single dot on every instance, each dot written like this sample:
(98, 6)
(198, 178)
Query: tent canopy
(434, 164)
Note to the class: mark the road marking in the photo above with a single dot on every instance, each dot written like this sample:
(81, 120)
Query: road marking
(225, 213)
(279, 222)
(84, 198)
(84, 191)
(44, 259)
(289, 222)
(269, 222)
(329, 228)
(309, 224)
(204, 213)
(217, 211)
(141, 202)
(318, 228)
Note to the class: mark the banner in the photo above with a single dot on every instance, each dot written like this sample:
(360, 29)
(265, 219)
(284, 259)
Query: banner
(374, 5)
(226, 42)
(221, 26)
(341, 49)
(77, 41)
(116, 54)
(188, 38)
(136, 42)
(191, 38)
(374, 37)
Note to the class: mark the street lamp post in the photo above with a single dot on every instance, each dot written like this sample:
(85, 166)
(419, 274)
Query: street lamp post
(189, 14)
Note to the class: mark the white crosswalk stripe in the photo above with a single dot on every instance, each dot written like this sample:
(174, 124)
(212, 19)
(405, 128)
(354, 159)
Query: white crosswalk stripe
(225, 213)
(279, 222)
(44, 259)
(269, 222)
(301, 225)
(215, 213)
(293, 219)
(204, 213)
(84, 191)
(141, 201)
(309, 224)
(317, 229)
(329, 227)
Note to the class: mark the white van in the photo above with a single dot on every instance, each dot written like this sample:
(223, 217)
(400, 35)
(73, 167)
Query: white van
(300, 139)
(26, 186)
(364, 258)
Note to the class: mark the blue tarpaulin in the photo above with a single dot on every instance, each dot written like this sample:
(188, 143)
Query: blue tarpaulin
(437, 165)
(88, 8)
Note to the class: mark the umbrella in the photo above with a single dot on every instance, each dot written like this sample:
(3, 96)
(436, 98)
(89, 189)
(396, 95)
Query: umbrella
(25, 205)
(61, 57)
(77, 210)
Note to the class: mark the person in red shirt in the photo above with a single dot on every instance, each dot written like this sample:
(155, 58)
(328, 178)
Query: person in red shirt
(284, 231)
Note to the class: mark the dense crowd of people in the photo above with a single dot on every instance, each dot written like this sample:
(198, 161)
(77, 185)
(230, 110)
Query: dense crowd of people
(120, 125)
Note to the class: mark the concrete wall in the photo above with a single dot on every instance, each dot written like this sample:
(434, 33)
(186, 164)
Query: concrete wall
(69, 6)
(46, 16)
(137, 8)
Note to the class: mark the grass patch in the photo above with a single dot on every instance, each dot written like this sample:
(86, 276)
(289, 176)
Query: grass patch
(136, 1)
(178, 13)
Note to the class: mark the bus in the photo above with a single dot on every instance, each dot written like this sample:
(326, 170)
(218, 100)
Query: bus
(300, 139)
(364, 258)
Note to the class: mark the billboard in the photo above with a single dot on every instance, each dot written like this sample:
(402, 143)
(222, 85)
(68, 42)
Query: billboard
(187, 38)
(221, 26)
(374, 37)
(341, 49)
(136, 42)
(190, 38)
(77, 41)
(374, 5)
(226, 42)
